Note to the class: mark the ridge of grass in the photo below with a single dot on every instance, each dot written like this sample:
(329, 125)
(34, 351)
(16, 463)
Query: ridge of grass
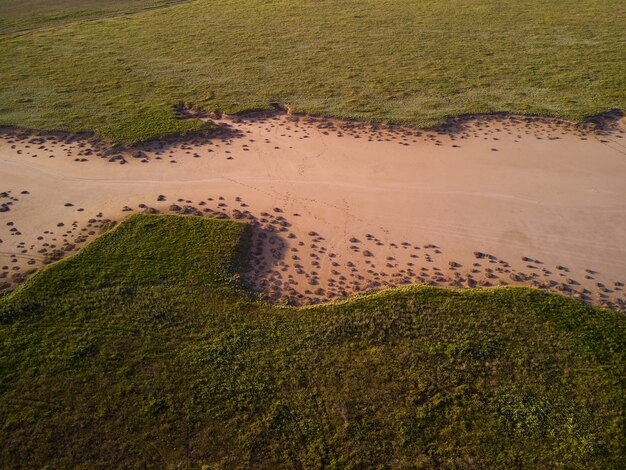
(148, 250)
(144, 350)
(397, 61)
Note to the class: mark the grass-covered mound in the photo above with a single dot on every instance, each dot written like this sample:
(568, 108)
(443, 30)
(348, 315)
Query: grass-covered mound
(386, 60)
(144, 350)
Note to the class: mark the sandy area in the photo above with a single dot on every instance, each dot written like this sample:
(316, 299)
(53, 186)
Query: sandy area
(342, 208)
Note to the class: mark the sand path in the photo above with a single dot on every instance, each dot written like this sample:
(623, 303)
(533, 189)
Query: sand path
(343, 208)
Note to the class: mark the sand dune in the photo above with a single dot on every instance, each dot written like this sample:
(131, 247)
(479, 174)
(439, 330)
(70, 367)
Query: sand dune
(340, 208)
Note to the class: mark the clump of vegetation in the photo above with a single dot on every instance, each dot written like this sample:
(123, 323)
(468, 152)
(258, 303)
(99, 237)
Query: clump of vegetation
(388, 61)
(142, 350)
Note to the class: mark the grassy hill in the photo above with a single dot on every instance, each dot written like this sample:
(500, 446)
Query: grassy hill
(142, 350)
(408, 61)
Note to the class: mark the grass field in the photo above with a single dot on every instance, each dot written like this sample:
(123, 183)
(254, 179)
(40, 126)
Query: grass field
(142, 350)
(404, 61)
(22, 15)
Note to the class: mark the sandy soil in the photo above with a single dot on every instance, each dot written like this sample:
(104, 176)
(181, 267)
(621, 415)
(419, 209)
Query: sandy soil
(341, 208)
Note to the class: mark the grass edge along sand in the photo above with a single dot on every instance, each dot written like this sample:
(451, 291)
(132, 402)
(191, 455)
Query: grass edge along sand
(413, 63)
(144, 349)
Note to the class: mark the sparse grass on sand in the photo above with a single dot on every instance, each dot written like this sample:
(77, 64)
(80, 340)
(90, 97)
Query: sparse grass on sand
(403, 61)
(144, 350)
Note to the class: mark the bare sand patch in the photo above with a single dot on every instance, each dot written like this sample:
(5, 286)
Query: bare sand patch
(340, 208)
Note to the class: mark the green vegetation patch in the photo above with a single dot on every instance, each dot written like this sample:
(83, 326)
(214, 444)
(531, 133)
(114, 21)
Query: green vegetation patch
(144, 350)
(149, 250)
(406, 61)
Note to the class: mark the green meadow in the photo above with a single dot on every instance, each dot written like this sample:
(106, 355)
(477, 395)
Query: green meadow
(145, 350)
(405, 61)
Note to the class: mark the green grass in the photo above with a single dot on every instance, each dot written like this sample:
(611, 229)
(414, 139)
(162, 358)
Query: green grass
(144, 351)
(406, 61)
(22, 15)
